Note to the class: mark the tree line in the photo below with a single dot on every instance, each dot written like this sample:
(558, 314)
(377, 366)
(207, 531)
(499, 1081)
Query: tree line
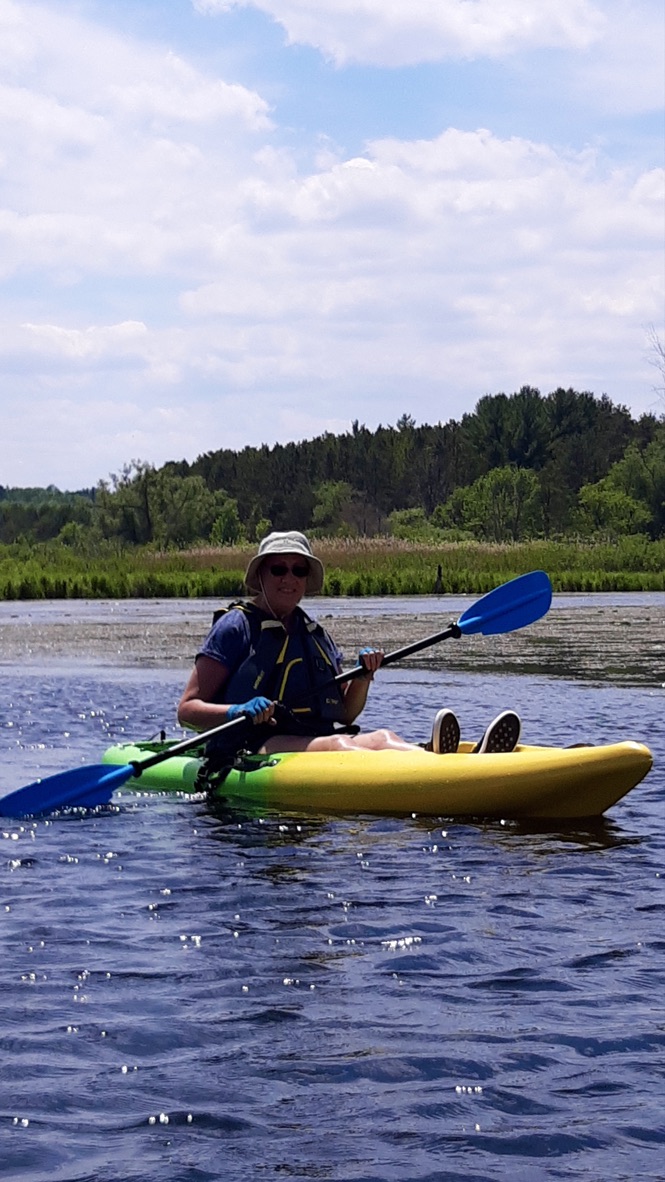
(521, 466)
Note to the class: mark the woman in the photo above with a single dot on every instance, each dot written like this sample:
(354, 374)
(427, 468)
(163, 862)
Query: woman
(268, 661)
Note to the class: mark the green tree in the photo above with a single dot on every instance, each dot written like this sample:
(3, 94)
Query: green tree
(406, 422)
(509, 429)
(184, 509)
(331, 508)
(453, 514)
(606, 509)
(640, 475)
(227, 527)
(504, 505)
(144, 505)
(657, 359)
(411, 524)
(260, 529)
(124, 503)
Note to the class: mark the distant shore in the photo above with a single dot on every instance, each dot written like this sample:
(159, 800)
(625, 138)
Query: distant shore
(354, 567)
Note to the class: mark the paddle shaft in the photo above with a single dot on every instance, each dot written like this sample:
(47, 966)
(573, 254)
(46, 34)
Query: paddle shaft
(399, 653)
(140, 765)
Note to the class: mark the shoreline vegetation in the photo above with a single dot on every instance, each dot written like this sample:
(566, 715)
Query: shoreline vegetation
(381, 566)
(567, 483)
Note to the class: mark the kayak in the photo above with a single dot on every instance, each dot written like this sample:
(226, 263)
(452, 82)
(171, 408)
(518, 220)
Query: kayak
(538, 782)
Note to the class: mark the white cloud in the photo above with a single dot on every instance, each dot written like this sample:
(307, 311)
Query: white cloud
(397, 33)
(113, 156)
(81, 64)
(102, 142)
(616, 47)
(399, 280)
(624, 72)
(364, 241)
(90, 344)
(75, 441)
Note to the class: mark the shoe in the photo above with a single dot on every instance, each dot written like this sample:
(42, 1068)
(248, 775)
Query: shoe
(502, 734)
(445, 734)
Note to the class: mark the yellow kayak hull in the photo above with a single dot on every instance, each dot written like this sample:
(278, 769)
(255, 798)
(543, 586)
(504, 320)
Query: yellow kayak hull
(530, 782)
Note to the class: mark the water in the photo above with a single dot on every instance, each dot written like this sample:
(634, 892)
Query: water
(198, 997)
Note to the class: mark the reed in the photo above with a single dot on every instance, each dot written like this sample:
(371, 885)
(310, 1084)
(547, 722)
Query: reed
(358, 567)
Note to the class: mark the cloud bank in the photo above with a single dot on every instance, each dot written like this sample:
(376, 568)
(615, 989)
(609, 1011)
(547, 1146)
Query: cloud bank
(394, 33)
(174, 279)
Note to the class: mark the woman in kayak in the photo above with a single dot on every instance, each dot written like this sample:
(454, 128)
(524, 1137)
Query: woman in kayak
(267, 661)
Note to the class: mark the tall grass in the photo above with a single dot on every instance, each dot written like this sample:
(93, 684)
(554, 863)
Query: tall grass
(375, 566)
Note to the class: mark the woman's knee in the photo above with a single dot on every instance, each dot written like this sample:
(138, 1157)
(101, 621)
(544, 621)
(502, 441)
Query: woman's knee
(378, 740)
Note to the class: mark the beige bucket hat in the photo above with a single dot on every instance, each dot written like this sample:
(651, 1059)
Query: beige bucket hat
(285, 543)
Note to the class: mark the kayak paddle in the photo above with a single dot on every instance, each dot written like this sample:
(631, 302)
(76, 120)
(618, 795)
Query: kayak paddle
(86, 787)
(511, 606)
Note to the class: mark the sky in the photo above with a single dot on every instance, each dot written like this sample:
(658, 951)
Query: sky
(235, 222)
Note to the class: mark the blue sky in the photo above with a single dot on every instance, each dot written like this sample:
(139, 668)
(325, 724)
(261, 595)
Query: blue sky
(227, 223)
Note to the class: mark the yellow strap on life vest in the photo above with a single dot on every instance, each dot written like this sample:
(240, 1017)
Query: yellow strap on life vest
(289, 667)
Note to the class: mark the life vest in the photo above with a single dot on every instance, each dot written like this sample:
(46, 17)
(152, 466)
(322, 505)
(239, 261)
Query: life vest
(295, 668)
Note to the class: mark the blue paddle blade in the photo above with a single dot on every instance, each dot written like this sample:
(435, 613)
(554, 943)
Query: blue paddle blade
(511, 606)
(84, 787)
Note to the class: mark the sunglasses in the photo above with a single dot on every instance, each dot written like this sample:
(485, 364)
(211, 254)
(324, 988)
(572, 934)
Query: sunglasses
(299, 569)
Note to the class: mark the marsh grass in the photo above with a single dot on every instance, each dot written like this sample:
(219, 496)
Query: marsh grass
(368, 566)
(389, 566)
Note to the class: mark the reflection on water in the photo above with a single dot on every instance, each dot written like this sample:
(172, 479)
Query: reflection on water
(194, 996)
(597, 833)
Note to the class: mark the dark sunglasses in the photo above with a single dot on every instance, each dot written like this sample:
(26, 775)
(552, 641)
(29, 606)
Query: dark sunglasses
(299, 569)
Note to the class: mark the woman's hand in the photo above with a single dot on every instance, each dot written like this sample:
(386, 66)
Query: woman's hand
(257, 710)
(371, 658)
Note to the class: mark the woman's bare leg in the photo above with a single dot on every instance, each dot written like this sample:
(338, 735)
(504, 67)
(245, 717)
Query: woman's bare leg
(381, 740)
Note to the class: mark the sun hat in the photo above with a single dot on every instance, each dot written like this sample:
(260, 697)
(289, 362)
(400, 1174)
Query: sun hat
(285, 543)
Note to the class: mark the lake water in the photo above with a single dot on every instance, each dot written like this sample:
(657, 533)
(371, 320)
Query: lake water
(194, 997)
